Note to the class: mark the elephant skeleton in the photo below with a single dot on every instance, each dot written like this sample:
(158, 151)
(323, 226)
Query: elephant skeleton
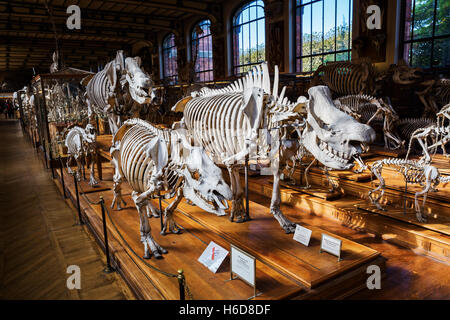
(242, 120)
(118, 90)
(81, 144)
(153, 161)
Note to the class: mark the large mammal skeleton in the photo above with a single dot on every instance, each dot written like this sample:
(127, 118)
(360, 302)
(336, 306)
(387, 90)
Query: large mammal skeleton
(154, 160)
(239, 121)
(414, 172)
(81, 144)
(118, 90)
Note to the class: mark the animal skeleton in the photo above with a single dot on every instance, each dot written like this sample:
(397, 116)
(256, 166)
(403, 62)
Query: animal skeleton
(367, 109)
(153, 160)
(438, 133)
(237, 121)
(414, 172)
(81, 144)
(118, 90)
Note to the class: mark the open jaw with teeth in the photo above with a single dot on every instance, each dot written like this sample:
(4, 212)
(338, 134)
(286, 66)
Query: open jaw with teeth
(213, 202)
(344, 157)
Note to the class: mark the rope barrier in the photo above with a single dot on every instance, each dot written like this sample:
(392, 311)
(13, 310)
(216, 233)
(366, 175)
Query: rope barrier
(184, 288)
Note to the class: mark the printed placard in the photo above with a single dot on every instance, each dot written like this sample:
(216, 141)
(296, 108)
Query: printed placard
(213, 256)
(302, 235)
(331, 245)
(243, 265)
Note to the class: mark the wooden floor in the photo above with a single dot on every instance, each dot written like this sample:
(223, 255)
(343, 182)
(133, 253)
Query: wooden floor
(38, 238)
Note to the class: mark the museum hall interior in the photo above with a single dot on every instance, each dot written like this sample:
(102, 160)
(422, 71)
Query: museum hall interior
(224, 150)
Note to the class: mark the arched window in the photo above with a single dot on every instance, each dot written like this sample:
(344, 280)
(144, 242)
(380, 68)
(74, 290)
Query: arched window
(249, 36)
(323, 32)
(170, 65)
(201, 49)
(426, 39)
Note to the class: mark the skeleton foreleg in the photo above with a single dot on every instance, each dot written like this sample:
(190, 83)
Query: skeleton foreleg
(376, 170)
(284, 222)
(117, 184)
(237, 204)
(146, 238)
(168, 214)
(92, 181)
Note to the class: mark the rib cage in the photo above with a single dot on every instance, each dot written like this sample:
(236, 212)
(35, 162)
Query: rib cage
(346, 77)
(133, 162)
(74, 142)
(96, 91)
(217, 123)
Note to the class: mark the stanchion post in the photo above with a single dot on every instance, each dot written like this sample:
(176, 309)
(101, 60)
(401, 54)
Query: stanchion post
(160, 211)
(247, 207)
(80, 220)
(181, 284)
(62, 178)
(108, 268)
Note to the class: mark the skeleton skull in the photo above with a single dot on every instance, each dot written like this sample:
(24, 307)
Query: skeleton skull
(332, 136)
(139, 82)
(209, 191)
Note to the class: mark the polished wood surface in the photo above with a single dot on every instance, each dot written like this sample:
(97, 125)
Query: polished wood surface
(38, 235)
(285, 268)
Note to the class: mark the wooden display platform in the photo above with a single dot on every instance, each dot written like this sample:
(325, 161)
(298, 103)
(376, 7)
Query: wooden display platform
(435, 220)
(428, 241)
(285, 268)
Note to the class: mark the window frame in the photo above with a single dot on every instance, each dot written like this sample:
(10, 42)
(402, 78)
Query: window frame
(239, 9)
(433, 38)
(298, 63)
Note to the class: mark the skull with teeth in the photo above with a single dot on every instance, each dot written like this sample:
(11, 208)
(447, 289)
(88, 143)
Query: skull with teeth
(209, 192)
(332, 136)
(139, 82)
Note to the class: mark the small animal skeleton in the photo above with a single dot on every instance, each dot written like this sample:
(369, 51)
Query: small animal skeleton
(81, 144)
(368, 109)
(414, 172)
(438, 134)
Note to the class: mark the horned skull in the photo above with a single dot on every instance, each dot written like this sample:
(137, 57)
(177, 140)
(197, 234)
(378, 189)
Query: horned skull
(209, 192)
(139, 83)
(332, 136)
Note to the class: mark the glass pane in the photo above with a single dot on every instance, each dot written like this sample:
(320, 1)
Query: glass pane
(329, 25)
(343, 25)
(306, 27)
(421, 54)
(317, 30)
(316, 62)
(343, 56)
(328, 58)
(441, 55)
(443, 18)
(306, 64)
(423, 19)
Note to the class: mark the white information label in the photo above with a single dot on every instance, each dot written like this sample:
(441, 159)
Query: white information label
(302, 235)
(213, 256)
(243, 265)
(331, 245)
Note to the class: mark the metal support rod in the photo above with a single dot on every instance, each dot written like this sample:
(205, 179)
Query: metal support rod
(51, 166)
(406, 196)
(247, 207)
(62, 178)
(80, 220)
(181, 284)
(108, 268)
(160, 211)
